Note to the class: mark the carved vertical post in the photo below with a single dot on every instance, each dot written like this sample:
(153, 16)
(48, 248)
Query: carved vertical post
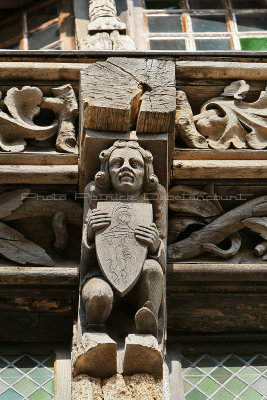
(106, 31)
(126, 135)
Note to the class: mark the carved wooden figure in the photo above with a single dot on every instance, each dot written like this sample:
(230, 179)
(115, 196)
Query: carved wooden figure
(123, 261)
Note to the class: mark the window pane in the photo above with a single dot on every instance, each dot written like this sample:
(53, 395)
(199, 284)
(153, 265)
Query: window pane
(42, 15)
(214, 23)
(178, 44)
(27, 376)
(213, 44)
(249, 4)
(162, 5)
(206, 4)
(164, 24)
(252, 22)
(253, 43)
(43, 37)
(224, 376)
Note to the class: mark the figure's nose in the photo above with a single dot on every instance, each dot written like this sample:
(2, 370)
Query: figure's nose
(125, 165)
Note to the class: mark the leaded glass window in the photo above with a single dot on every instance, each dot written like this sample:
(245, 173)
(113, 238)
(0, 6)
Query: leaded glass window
(27, 376)
(224, 376)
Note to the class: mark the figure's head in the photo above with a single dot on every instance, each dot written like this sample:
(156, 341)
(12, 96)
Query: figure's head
(126, 169)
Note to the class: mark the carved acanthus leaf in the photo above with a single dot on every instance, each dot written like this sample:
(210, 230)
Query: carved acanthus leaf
(10, 201)
(258, 225)
(227, 120)
(188, 200)
(15, 247)
(25, 104)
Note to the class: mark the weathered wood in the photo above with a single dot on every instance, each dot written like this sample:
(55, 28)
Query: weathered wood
(219, 169)
(210, 154)
(125, 81)
(39, 275)
(50, 174)
(37, 156)
(62, 374)
(103, 16)
(220, 272)
(66, 25)
(221, 70)
(217, 312)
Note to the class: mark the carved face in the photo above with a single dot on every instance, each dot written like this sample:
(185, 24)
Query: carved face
(126, 169)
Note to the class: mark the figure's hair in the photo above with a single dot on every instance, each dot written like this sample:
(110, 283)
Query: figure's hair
(102, 178)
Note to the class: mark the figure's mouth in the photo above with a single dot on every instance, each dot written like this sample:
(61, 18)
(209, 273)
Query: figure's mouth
(126, 177)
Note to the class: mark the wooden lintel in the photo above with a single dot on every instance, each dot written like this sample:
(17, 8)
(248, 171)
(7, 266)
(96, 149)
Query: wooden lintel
(179, 272)
(35, 157)
(221, 70)
(39, 275)
(219, 169)
(210, 154)
(40, 174)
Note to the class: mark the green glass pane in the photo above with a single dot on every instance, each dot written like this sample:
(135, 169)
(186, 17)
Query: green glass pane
(235, 385)
(10, 394)
(221, 374)
(223, 395)
(25, 364)
(206, 364)
(261, 385)
(248, 374)
(25, 386)
(41, 375)
(185, 363)
(234, 363)
(162, 4)
(213, 44)
(251, 22)
(164, 24)
(3, 387)
(249, 394)
(214, 23)
(249, 4)
(205, 4)
(49, 386)
(208, 386)
(167, 44)
(187, 387)
(10, 375)
(260, 363)
(195, 395)
(40, 395)
(193, 375)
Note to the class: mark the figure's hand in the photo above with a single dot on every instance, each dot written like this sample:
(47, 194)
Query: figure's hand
(148, 235)
(97, 220)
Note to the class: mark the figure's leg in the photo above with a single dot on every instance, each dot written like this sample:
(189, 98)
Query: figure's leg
(148, 292)
(97, 297)
(98, 352)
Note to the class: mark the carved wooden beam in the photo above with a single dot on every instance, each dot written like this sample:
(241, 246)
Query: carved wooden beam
(123, 94)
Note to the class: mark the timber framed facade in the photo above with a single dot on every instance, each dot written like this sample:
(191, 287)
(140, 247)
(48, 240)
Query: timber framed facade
(207, 132)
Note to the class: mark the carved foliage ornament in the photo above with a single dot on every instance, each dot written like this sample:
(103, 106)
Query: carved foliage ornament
(19, 108)
(16, 205)
(224, 121)
(211, 226)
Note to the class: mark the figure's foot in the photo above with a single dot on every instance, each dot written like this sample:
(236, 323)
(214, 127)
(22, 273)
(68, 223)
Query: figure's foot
(146, 322)
(142, 355)
(98, 356)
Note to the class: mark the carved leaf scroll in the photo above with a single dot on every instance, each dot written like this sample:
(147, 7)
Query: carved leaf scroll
(10, 201)
(24, 104)
(225, 121)
(15, 247)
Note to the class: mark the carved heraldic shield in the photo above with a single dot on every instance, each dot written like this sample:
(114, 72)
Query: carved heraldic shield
(120, 255)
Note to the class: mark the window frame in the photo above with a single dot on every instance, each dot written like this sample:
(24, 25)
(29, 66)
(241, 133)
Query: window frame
(187, 33)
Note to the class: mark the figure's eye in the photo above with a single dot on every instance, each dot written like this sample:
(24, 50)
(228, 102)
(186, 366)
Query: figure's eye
(134, 164)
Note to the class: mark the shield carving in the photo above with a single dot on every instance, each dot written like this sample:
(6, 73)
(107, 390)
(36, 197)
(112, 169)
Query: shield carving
(120, 255)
